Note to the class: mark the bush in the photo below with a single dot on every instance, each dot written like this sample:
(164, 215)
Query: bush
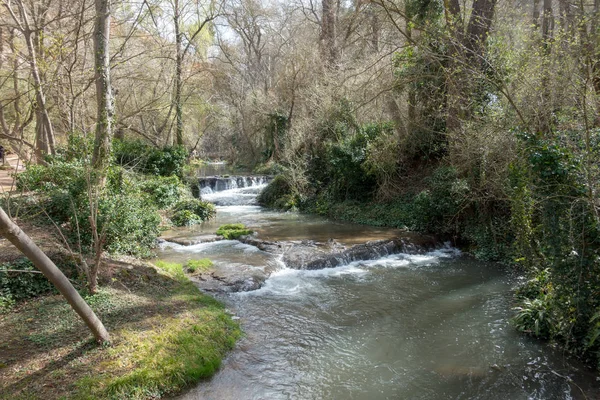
(277, 194)
(437, 209)
(163, 192)
(16, 286)
(192, 211)
(126, 216)
(145, 158)
(233, 231)
(185, 218)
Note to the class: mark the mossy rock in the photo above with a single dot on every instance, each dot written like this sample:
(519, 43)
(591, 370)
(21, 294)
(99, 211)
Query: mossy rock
(233, 231)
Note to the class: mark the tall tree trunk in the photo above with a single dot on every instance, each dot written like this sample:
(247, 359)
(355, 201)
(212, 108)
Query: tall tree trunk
(329, 49)
(545, 123)
(178, 77)
(43, 138)
(455, 58)
(479, 27)
(412, 91)
(536, 14)
(595, 57)
(41, 107)
(21, 241)
(104, 96)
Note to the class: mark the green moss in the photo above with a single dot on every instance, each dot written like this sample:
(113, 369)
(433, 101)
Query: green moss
(173, 354)
(233, 231)
(201, 265)
(175, 270)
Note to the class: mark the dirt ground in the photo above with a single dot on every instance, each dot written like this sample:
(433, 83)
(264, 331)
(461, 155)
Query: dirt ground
(6, 175)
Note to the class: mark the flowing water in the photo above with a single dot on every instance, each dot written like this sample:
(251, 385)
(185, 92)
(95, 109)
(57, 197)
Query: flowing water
(429, 326)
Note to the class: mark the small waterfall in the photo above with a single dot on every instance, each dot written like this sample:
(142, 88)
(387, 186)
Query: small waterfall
(230, 190)
(211, 184)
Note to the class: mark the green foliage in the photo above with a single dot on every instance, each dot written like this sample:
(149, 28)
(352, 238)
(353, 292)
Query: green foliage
(557, 231)
(535, 317)
(200, 265)
(163, 192)
(278, 194)
(126, 215)
(185, 218)
(140, 156)
(275, 134)
(345, 165)
(16, 286)
(233, 231)
(419, 72)
(438, 208)
(269, 168)
(192, 211)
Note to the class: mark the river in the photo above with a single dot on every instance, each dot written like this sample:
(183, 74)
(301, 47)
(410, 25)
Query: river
(404, 326)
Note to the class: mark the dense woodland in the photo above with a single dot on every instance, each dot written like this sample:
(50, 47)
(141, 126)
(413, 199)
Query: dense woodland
(478, 121)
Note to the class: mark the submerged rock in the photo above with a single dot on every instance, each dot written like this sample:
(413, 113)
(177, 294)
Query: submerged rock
(305, 254)
(308, 254)
(232, 278)
(300, 259)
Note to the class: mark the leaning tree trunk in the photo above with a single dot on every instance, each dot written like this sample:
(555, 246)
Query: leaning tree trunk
(104, 96)
(21, 241)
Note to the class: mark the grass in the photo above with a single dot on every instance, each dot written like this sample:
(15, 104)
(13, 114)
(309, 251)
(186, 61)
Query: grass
(233, 231)
(166, 336)
(201, 265)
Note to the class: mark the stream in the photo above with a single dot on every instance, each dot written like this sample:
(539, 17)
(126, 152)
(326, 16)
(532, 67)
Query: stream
(432, 325)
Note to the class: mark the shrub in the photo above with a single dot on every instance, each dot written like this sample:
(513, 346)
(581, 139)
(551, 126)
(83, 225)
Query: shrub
(145, 158)
(192, 211)
(437, 209)
(15, 286)
(129, 221)
(185, 218)
(163, 192)
(277, 194)
(233, 231)
(535, 317)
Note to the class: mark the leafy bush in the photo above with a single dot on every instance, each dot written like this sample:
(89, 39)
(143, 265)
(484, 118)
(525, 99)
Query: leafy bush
(233, 231)
(277, 194)
(145, 158)
(16, 286)
(163, 191)
(535, 317)
(185, 218)
(128, 219)
(192, 211)
(436, 208)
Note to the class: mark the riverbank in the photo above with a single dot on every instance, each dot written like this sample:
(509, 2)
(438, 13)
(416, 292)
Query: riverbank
(166, 336)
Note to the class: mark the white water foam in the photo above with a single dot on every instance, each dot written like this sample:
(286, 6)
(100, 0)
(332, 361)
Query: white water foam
(291, 282)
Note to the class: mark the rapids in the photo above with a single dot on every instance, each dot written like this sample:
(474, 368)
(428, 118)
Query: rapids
(403, 326)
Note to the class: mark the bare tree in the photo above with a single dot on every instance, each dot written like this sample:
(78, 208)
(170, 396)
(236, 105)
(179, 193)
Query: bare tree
(21, 19)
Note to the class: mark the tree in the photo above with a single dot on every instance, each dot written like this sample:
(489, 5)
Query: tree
(21, 241)
(329, 32)
(45, 140)
(104, 97)
(182, 50)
